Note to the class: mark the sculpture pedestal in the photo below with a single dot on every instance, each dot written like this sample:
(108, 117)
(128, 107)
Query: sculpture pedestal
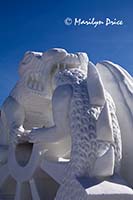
(107, 190)
(92, 189)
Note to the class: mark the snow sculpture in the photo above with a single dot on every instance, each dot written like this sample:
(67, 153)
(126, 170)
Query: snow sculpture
(63, 120)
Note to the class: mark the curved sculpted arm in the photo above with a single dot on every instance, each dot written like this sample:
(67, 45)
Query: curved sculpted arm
(61, 103)
(14, 112)
(14, 115)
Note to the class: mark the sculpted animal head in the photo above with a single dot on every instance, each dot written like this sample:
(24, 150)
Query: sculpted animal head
(39, 69)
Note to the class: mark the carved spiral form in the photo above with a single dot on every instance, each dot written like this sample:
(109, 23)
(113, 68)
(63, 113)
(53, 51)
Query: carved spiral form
(85, 146)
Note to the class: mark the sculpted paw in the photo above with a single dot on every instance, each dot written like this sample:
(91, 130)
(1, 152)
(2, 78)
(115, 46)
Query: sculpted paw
(19, 135)
(34, 136)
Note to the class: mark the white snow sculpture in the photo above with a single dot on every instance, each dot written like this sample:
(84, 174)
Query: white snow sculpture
(63, 118)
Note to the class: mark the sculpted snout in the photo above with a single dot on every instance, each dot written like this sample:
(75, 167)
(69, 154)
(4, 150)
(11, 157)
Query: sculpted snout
(40, 68)
(37, 61)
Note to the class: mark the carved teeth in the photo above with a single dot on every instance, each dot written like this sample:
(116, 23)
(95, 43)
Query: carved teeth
(34, 82)
(32, 76)
(30, 83)
(34, 85)
(36, 76)
(42, 88)
(39, 87)
(58, 66)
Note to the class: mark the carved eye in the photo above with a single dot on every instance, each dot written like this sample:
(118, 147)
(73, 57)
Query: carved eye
(27, 58)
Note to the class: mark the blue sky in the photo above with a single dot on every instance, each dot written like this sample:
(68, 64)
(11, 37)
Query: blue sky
(39, 25)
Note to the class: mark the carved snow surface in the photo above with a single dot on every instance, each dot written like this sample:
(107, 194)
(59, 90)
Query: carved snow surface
(120, 85)
(64, 130)
(86, 148)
